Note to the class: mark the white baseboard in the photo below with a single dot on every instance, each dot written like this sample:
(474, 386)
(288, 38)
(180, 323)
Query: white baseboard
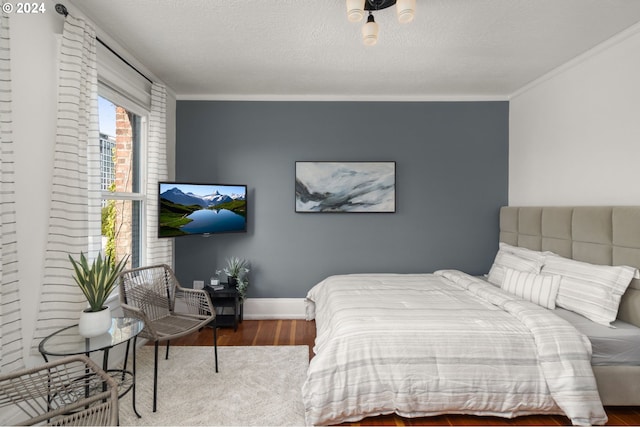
(274, 308)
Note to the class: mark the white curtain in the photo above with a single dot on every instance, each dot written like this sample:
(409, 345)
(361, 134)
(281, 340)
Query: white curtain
(159, 251)
(11, 324)
(75, 180)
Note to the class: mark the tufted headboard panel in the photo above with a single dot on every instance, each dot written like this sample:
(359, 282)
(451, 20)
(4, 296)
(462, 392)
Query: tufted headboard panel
(608, 235)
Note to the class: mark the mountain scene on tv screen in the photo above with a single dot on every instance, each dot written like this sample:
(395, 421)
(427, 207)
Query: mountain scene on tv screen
(183, 213)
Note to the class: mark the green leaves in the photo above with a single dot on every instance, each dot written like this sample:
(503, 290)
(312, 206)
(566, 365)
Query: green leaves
(236, 267)
(98, 280)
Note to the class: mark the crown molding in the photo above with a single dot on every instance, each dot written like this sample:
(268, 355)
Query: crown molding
(605, 45)
(343, 98)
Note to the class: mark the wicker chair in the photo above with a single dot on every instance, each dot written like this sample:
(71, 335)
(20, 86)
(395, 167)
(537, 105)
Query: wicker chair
(168, 310)
(69, 391)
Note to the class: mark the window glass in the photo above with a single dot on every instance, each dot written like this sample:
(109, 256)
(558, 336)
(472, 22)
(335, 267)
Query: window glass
(120, 167)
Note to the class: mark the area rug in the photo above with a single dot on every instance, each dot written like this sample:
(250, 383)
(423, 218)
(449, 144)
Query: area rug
(258, 385)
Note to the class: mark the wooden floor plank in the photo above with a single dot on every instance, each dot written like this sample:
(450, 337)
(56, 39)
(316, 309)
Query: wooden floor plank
(302, 332)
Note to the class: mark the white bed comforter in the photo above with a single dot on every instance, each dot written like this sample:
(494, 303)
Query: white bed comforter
(428, 344)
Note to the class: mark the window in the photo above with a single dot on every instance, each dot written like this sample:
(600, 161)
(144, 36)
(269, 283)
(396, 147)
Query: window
(121, 148)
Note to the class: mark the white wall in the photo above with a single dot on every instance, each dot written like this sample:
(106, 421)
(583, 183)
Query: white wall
(574, 136)
(34, 41)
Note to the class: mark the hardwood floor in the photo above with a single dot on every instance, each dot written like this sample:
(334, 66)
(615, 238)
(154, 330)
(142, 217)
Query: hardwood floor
(302, 332)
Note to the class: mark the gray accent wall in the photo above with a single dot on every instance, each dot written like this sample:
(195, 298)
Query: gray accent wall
(452, 177)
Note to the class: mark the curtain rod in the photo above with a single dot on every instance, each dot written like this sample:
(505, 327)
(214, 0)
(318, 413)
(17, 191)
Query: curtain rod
(62, 10)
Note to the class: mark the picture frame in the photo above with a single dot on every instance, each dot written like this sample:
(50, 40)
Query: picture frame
(345, 187)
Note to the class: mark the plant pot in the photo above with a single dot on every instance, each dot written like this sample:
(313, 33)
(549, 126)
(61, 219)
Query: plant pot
(233, 281)
(94, 323)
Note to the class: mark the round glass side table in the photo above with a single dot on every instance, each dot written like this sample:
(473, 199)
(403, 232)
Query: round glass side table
(68, 341)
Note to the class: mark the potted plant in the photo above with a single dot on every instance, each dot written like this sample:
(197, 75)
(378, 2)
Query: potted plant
(242, 285)
(236, 271)
(96, 281)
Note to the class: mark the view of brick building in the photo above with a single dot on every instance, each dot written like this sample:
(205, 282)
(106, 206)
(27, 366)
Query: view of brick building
(121, 219)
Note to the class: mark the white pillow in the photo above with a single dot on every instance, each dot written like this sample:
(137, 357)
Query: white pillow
(593, 291)
(537, 288)
(524, 252)
(506, 259)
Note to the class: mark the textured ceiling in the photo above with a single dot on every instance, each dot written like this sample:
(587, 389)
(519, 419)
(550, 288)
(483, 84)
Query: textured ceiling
(280, 49)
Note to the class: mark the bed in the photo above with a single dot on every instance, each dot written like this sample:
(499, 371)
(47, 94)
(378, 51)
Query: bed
(448, 342)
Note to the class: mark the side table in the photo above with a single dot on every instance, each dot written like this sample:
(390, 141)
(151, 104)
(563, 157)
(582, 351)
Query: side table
(226, 298)
(68, 341)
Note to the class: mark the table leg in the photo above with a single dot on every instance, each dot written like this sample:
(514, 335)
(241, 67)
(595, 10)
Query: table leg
(105, 359)
(215, 345)
(105, 367)
(236, 313)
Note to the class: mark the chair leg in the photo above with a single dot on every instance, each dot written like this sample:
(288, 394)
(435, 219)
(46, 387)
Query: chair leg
(135, 340)
(155, 377)
(215, 345)
(126, 358)
(166, 357)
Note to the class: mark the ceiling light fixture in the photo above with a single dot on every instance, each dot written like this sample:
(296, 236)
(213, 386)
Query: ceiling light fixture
(405, 10)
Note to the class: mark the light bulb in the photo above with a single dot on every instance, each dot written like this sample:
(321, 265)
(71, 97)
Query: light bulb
(355, 10)
(370, 32)
(406, 10)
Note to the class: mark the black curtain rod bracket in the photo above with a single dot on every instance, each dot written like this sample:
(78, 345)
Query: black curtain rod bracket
(62, 10)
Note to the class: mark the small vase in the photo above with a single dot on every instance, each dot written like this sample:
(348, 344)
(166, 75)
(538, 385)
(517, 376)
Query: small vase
(94, 323)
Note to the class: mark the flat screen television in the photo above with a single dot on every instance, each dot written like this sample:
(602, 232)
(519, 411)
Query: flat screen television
(188, 209)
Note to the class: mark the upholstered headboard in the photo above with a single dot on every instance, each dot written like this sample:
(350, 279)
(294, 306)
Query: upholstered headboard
(608, 235)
